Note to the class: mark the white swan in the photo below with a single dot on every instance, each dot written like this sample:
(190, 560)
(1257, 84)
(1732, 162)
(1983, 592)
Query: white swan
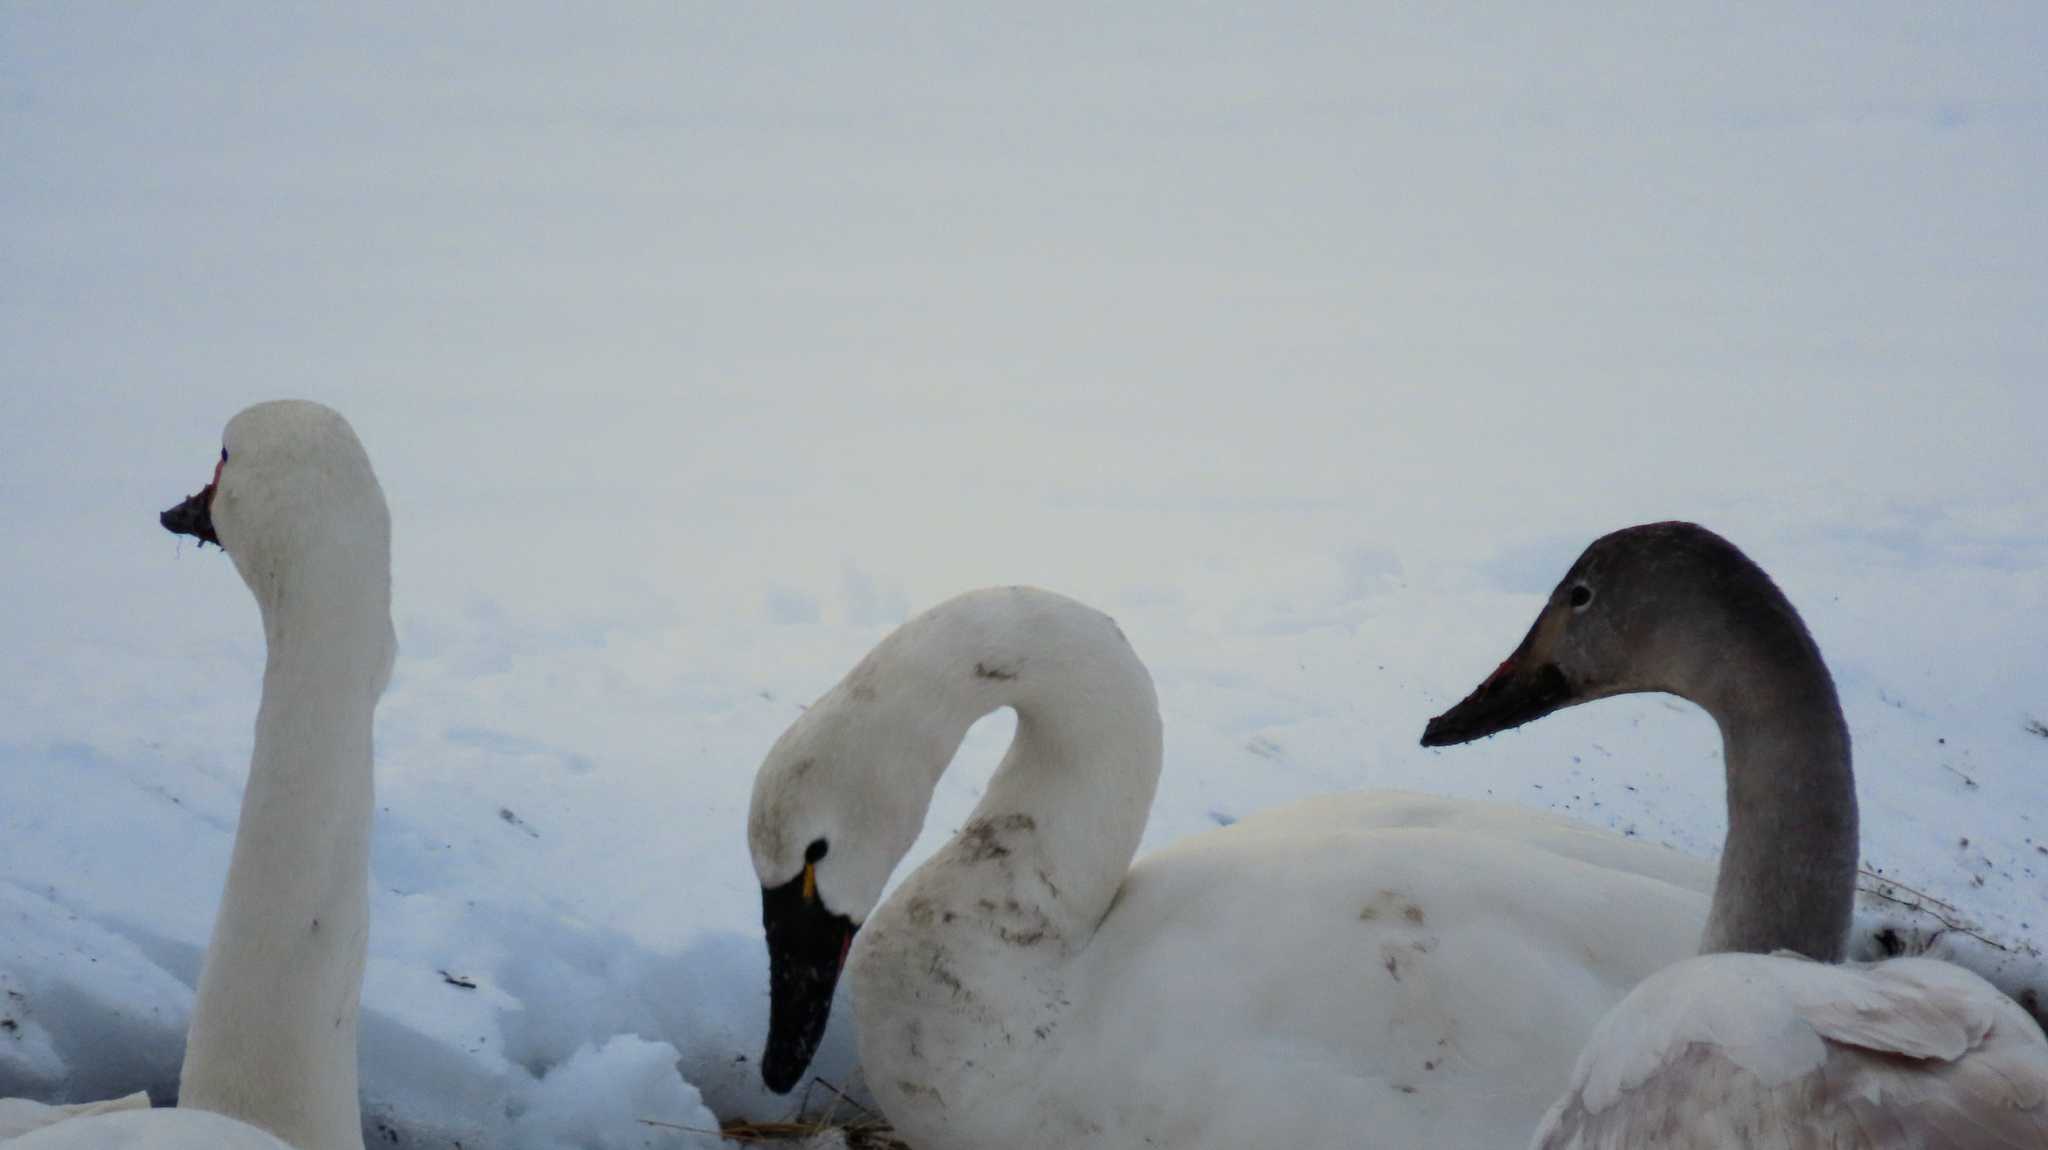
(21, 1115)
(1385, 970)
(270, 1060)
(1742, 1046)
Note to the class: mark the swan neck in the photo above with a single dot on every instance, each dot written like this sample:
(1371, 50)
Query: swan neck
(1083, 769)
(1788, 872)
(961, 976)
(1063, 814)
(273, 1035)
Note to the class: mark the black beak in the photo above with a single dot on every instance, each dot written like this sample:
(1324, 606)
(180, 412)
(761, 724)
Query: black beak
(1511, 697)
(1521, 690)
(807, 947)
(193, 517)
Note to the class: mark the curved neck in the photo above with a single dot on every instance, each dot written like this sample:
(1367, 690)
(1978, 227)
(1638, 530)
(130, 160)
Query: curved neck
(273, 1035)
(1064, 812)
(1788, 872)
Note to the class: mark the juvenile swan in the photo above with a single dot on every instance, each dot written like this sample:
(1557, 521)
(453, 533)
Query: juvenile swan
(270, 1060)
(1757, 1042)
(1363, 971)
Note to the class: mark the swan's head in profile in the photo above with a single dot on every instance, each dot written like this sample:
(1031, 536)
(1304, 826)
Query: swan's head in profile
(293, 498)
(1659, 607)
(837, 803)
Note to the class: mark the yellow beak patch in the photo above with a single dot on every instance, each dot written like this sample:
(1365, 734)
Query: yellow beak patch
(810, 882)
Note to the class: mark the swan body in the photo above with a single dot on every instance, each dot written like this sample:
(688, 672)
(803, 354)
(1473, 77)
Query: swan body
(1754, 1042)
(270, 1057)
(1363, 970)
(1777, 1050)
(18, 1116)
(146, 1129)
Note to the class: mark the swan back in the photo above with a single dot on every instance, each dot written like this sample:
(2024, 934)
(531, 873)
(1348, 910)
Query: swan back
(18, 1116)
(1736, 1049)
(141, 1128)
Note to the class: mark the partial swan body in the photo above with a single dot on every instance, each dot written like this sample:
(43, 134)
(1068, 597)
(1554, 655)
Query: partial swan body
(18, 1116)
(270, 1059)
(1754, 1042)
(1363, 970)
(1777, 1050)
(129, 1128)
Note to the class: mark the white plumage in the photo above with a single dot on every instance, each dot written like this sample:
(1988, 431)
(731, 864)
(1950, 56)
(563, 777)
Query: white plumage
(270, 1057)
(1775, 1050)
(1383, 970)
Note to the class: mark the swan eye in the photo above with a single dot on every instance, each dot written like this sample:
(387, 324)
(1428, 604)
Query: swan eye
(223, 455)
(815, 851)
(1581, 596)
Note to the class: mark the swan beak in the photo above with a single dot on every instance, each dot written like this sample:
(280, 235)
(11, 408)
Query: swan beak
(1522, 690)
(193, 517)
(807, 947)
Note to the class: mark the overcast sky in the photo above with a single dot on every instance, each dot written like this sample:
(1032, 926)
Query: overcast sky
(779, 312)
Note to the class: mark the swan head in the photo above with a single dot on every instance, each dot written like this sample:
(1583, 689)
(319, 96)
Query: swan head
(837, 803)
(1659, 607)
(294, 498)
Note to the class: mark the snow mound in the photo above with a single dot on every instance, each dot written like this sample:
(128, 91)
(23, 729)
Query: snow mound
(84, 1013)
(624, 1095)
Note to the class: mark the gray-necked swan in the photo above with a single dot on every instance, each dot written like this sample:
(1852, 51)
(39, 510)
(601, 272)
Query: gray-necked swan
(1358, 970)
(1747, 1044)
(270, 1059)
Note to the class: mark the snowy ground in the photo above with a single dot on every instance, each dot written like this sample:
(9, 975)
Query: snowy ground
(564, 914)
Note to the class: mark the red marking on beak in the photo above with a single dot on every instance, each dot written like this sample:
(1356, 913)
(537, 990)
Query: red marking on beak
(845, 948)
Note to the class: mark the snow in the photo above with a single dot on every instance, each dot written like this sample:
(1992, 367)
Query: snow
(695, 349)
(592, 1100)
